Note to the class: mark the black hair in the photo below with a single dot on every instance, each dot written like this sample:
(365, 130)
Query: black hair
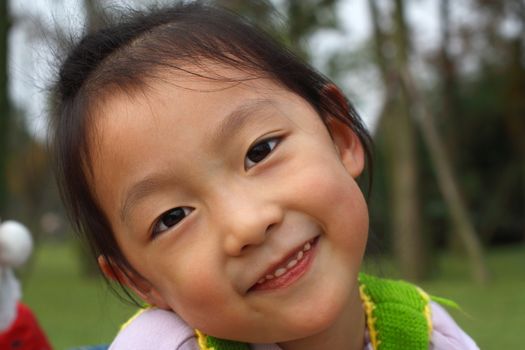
(127, 52)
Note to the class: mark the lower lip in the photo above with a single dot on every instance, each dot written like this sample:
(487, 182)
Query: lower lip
(292, 274)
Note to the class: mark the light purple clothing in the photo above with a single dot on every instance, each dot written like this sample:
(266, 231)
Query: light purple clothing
(164, 330)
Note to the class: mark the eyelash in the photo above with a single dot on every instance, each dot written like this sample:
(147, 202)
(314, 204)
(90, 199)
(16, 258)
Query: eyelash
(273, 142)
(157, 230)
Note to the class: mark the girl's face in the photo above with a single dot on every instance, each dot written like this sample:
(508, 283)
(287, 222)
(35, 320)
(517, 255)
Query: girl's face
(235, 205)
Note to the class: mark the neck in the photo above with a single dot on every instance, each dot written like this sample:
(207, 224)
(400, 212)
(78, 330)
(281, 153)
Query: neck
(347, 332)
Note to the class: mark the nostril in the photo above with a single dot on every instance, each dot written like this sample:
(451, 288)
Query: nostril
(259, 240)
(270, 228)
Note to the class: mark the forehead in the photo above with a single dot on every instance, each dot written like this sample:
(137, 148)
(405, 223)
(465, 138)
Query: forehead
(189, 107)
(190, 96)
(187, 92)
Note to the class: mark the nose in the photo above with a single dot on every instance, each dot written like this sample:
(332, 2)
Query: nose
(245, 218)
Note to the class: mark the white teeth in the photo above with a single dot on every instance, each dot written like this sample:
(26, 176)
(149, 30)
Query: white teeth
(282, 270)
(291, 264)
(279, 272)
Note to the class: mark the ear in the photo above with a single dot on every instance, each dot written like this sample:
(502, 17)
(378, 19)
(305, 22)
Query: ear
(133, 281)
(346, 141)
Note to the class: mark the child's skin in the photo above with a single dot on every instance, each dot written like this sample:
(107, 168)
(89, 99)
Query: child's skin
(188, 142)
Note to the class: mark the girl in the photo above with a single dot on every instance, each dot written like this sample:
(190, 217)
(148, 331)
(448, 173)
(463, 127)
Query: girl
(214, 174)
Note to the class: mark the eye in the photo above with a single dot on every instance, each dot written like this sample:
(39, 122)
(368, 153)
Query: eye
(259, 151)
(169, 219)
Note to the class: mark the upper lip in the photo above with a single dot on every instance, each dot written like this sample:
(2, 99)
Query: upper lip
(269, 270)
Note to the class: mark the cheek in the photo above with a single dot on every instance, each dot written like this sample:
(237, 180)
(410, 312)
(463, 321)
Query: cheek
(328, 189)
(329, 194)
(350, 225)
(204, 302)
(193, 284)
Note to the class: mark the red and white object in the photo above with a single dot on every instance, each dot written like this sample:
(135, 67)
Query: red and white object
(19, 328)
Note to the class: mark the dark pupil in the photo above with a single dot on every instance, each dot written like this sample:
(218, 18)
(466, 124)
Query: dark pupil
(173, 217)
(258, 152)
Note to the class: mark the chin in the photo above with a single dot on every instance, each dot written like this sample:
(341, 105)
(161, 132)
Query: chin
(318, 317)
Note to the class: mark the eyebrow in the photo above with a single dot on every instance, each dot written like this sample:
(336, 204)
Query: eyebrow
(231, 124)
(138, 191)
(238, 118)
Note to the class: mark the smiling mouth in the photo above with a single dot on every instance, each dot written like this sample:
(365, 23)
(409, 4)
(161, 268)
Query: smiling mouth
(289, 271)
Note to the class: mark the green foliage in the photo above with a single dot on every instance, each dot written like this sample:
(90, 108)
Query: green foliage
(489, 159)
(481, 121)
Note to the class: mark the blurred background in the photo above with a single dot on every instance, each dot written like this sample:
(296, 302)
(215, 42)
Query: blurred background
(441, 86)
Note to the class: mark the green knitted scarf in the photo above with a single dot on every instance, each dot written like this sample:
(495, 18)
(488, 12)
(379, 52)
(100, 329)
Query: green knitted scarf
(397, 314)
(397, 317)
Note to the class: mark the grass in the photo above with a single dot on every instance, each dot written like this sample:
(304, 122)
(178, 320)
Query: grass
(73, 310)
(77, 311)
(494, 315)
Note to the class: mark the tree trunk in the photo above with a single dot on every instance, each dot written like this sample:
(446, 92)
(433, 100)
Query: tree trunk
(406, 217)
(400, 141)
(515, 104)
(449, 113)
(409, 242)
(4, 106)
(447, 183)
(451, 108)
